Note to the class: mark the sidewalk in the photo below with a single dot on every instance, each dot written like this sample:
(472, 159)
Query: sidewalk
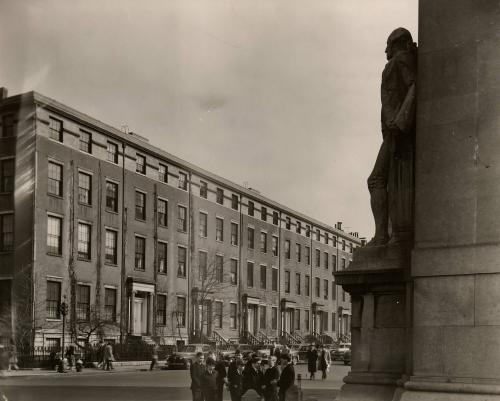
(118, 367)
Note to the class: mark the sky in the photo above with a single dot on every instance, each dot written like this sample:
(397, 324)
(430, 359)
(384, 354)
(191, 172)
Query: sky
(280, 95)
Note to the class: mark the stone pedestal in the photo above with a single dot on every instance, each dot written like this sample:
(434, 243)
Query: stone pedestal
(379, 283)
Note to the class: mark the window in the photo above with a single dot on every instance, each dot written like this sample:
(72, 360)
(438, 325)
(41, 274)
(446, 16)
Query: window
(181, 261)
(249, 274)
(182, 184)
(55, 179)
(334, 318)
(140, 205)
(220, 196)
(298, 252)
(251, 237)
(262, 316)
(111, 196)
(298, 229)
(83, 302)
(7, 126)
(110, 247)
(263, 242)
(85, 188)
(274, 318)
(325, 289)
(233, 273)
(161, 309)
(287, 249)
(263, 213)
(343, 295)
(234, 234)
(219, 268)
(110, 304)
(325, 260)
(343, 264)
(85, 141)
(297, 319)
(275, 245)
(7, 175)
(55, 129)
(275, 218)
(317, 285)
(218, 314)
(297, 283)
(274, 279)
(202, 265)
(181, 312)
(288, 223)
(251, 208)
(162, 257)
(203, 224)
(327, 239)
(53, 343)
(232, 315)
(318, 234)
(162, 212)
(263, 277)
(140, 253)
(234, 202)
(334, 292)
(84, 241)
(163, 173)
(182, 218)
(219, 229)
(287, 282)
(318, 258)
(350, 247)
(343, 245)
(308, 256)
(53, 299)
(324, 320)
(334, 241)
(112, 152)
(334, 263)
(54, 241)
(203, 189)
(306, 320)
(6, 232)
(307, 286)
(140, 164)
(308, 231)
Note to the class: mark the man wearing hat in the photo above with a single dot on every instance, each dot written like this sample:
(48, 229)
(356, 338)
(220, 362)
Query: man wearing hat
(252, 376)
(287, 377)
(235, 378)
(209, 379)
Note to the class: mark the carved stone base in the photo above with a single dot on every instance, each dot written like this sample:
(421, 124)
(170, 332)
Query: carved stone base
(367, 392)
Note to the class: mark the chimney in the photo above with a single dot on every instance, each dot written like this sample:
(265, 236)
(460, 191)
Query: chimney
(339, 225)
(3, 93)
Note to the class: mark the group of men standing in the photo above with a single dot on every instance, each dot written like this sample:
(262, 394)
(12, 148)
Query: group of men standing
(262, 376)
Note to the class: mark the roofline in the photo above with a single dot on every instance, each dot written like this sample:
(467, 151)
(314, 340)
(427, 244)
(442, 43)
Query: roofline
(97, 125)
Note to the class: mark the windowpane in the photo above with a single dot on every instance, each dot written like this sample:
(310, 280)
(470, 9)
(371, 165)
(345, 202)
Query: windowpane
(203, 225)
(325, 289)
(232, 315)
(163, 173)
(84, 241)
(234, 234)
(234, 271)
(182, 218)
(297, 319)
(325, 260)
(219, 268)
(218, 314)
(288, 223)
(53, 299)
(307, 286)
(85, 188)
(140, 164)
(297, 283)
(251, 208)
(182, 181)
(7, 125)
(161, 309)
(140, 253)
(55, 129)
(112, 152)
(162, 212)
(251, 237)
(110, 247)
(308, 255)
(263, 277)
(110, 304)
(140, 205)
(181, 312)
(7, 175)
(287, 282)
(318, 258)
(162, 257)
(234, 202)
(6, 232)
(274, 318)
(219, 229)
(202, 264)
(263, 242)
(203, 189)
(263, 316)
(274, 279)
(287, 249)
(263, 213)
(220, 196)
(85, 141)
(54, 243)
(298, 252)
(317, 289)
(181, 261)
(54, 179)
(112, 196)
(83, 302)
(275, 245)
(275, 218)
(250, 274)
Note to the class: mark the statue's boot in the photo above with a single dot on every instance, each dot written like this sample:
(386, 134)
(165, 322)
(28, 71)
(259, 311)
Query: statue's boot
(378, 203)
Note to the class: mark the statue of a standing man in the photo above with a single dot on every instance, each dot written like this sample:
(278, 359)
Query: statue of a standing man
(391, 183)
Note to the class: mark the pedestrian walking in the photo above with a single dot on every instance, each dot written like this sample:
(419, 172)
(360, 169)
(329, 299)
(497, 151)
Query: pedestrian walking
(209, 381)
(154, 357)
(323, 361)
(13, 356)
(70, 356)
(108, 357)
(235, 378)
(252, 376)
(270, 381)
(196, 371)
(312, 361)
(287, 377)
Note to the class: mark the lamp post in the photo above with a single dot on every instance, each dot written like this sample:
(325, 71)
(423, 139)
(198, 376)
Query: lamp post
(63, 309)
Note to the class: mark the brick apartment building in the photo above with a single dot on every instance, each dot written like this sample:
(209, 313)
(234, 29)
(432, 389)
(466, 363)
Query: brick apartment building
(141, 243)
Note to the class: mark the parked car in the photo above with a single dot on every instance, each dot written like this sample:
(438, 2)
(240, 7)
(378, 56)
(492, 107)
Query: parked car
(347, 357)
(338, 353)
(183, 358)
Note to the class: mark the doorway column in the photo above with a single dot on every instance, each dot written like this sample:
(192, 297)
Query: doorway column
(150, 313)
(131, 308)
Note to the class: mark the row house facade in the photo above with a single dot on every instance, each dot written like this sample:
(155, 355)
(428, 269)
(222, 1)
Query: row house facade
(141, 243)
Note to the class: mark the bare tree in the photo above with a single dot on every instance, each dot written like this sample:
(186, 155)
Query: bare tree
(97, 324)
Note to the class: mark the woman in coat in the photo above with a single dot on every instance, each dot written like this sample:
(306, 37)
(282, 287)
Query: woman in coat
(323, 361)
(312, 360)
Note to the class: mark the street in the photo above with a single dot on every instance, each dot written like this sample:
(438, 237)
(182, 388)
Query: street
(136, 384)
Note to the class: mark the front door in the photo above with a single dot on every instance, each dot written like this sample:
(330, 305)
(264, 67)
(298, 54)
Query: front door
(289, 320)
(251, 319)
(138, 306)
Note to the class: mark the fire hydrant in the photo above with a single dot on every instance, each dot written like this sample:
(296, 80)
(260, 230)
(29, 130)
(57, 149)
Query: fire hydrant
(79, 365)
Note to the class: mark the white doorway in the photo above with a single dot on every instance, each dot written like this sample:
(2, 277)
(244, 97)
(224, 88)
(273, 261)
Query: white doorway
(139, 316)
(252, 318)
